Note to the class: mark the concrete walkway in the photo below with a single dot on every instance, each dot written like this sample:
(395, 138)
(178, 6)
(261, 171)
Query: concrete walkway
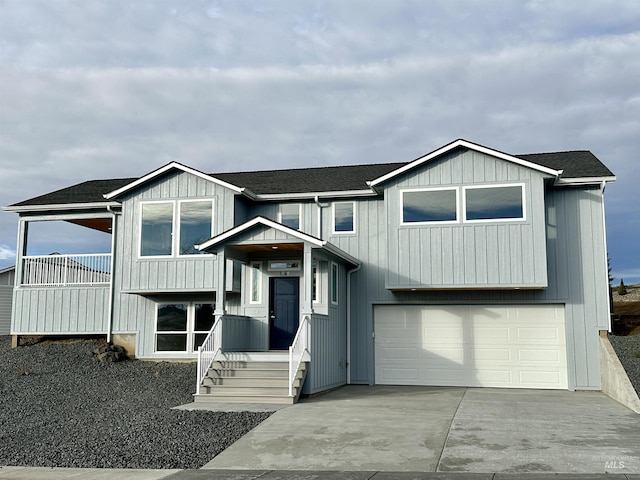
(422, 429)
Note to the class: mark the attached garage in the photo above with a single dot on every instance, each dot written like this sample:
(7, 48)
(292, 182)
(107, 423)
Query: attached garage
(512, 346)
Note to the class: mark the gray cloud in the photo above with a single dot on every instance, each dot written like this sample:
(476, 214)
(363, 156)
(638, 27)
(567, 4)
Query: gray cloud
(110, 89)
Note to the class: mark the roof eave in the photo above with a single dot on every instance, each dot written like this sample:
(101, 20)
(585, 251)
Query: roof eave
(585, 180)
(312, 195)
(58, 207)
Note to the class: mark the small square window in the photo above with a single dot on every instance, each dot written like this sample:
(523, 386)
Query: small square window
(290, 215)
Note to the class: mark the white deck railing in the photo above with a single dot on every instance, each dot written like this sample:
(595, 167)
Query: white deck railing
(298, 351)
(208, 350)
(61, 270)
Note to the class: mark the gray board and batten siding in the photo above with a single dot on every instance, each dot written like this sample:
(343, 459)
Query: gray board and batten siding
(456, 255)
(141, 283)
(7, 280)
(574, 262)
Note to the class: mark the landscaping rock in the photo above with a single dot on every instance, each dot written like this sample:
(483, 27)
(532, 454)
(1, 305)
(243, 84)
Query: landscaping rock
(70, 410)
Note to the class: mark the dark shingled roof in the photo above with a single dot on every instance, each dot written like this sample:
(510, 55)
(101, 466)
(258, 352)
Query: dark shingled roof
(575, 164)
(301, 180)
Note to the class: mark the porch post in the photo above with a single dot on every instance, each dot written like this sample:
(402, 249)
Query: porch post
(21, 251)
(221, 283)
(307, 281)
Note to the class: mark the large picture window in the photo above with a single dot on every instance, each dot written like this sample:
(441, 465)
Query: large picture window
(192, 219)
(157, 229)
(195, 224)
(494, 203)
(425, 206)
(182, 327)
(344, 217)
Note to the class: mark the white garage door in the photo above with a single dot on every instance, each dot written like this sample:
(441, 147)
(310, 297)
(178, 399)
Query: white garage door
(512, 346)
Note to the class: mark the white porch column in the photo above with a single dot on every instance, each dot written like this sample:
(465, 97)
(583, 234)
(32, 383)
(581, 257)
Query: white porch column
(221, 283)
(21, 251)
(307, 281)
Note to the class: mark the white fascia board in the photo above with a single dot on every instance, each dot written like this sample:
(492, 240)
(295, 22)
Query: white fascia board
(7, 269)
(331, 248)
(470, 146)
(60, 207)
(262, 221)
(584, 180)
(313, 195)
(166, 168)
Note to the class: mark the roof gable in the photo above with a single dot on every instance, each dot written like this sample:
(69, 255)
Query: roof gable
(161, 171)
(265, 222)
(460, 143)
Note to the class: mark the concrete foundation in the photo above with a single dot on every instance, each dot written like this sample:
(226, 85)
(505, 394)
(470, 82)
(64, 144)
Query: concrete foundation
(615, 382)
(127, 341)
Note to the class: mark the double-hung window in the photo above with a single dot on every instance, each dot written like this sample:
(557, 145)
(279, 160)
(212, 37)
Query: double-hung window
(173, 228)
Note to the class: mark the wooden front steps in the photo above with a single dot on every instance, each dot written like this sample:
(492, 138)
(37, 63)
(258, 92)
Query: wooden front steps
(251, 378)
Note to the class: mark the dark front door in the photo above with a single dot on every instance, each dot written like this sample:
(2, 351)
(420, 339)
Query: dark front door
(284, 304)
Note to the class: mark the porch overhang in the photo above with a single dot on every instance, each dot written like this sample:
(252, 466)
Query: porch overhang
(291, 241)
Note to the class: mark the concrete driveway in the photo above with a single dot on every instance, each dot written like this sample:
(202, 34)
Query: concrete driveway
(439, 429)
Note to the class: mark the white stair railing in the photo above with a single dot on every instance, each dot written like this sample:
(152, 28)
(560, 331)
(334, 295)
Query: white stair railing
(208, 351)
(298, 350)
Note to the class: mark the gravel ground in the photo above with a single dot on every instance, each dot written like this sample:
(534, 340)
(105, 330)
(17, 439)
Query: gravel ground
(63, 408)
(628, 351)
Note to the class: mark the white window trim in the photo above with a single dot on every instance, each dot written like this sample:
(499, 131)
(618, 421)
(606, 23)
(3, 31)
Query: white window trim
(173, 227)
(333, 219)
(255, 271)
(494, 220)
(334, 283)
(177, 224)
(190, 332)
(434, 222)
(299, 214)
(315, 272)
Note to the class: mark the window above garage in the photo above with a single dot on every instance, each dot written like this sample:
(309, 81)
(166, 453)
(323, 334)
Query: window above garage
(485, 203)
(490, 203)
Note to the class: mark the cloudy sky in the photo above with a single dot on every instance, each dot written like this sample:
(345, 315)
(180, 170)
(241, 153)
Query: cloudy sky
(118, 88)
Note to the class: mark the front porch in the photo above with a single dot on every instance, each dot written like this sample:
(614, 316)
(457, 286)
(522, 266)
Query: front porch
(228, 372)
(289, 324)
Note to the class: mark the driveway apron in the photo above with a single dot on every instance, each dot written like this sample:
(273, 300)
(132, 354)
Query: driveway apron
(355, 428)
(441, 429)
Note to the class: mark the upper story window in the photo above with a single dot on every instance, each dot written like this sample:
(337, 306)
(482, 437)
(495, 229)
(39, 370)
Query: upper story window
(290, 215)
(344, 220)
(432, 205)
(503, 202)
(192, 219)
(196, 218)
(157, 229)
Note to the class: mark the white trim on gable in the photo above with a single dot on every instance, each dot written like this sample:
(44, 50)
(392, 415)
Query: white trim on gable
(166, 168)
(283, 228)
(470, 146)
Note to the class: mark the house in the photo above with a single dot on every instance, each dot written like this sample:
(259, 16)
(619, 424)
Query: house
(7, 276)
(466, 267)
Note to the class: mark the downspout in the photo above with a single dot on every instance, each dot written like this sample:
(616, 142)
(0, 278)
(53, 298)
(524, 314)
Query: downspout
(112, 272)
(353, 270)
(603, 184)
(320, 207)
